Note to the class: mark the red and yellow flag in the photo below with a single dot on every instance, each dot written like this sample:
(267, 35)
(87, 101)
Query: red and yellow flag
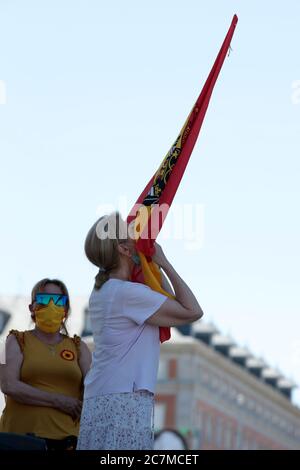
(153, 204)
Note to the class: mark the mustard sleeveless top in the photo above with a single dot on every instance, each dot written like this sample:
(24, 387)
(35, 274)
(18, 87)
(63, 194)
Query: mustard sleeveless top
(51, 369)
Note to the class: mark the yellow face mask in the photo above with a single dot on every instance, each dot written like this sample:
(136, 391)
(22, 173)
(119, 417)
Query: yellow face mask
(49, 318)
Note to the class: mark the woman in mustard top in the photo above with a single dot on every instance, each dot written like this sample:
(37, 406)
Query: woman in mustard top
(44, 371)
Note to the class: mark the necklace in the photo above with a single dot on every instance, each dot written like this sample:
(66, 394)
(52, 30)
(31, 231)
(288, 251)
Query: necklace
(51, 348)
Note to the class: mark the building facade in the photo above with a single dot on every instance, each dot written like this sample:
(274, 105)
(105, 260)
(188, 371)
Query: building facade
(213, 393)
(217, 403)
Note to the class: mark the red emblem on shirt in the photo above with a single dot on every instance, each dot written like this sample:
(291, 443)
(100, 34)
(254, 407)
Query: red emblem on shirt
(67, 355)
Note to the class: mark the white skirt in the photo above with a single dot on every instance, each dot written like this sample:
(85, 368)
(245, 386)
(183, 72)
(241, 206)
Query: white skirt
(117, 421)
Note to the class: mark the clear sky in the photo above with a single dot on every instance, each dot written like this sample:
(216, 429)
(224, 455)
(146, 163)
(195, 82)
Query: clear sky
(96, 92)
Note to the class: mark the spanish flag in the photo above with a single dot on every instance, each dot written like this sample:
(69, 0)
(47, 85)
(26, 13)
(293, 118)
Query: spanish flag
(151, 208)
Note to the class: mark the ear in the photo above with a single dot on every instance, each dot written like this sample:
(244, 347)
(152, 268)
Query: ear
(124, 250)
(30, 306)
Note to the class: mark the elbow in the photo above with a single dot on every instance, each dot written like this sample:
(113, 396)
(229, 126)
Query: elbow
(7, 388)
(197, 315)
(200, 313)
(4, 388)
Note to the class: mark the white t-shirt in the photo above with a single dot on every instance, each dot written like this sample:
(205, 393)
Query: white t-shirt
(126, 352)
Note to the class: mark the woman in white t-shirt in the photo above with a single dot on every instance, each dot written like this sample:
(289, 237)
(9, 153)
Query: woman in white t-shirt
(125, 319)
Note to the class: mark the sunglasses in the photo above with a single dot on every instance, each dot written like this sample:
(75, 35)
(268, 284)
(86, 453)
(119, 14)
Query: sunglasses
(58, 299)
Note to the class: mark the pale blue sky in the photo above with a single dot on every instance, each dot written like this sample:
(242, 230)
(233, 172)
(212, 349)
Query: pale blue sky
(96, 94)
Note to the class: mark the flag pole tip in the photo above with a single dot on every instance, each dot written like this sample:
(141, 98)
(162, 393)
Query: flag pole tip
(235, 20)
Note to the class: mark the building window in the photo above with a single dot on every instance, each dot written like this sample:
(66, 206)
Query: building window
(240, 399)
(169, 414)
(238, 441)
(208, 429)
(228, 437)
(172, 369)
(219, 431)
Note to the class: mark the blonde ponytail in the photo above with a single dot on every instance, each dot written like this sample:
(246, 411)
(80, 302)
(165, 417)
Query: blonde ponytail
(101, 278)
(101, 245)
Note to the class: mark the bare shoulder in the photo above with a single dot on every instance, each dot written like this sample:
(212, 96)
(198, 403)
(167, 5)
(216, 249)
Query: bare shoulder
(85, 353)
(13, 350)
(12, 342)
(85, 358)
(84, 347)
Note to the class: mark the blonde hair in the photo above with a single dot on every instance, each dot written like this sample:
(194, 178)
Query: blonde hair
(101, 245)
(39, 287)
